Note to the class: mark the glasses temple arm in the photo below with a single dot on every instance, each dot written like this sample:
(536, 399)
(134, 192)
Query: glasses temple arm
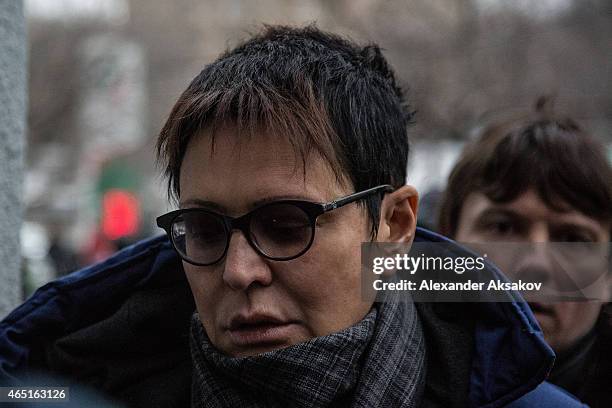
(386, 188)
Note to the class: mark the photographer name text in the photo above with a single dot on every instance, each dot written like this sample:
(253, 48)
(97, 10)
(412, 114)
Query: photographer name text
(430, 285)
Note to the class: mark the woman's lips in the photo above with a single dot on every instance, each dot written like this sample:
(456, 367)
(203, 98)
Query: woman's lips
(260, 331)
(262, 334)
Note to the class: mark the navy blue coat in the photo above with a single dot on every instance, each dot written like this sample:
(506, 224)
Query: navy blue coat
(122, 326)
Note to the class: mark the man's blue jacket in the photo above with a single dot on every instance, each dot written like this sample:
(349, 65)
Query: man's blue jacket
(122, 326)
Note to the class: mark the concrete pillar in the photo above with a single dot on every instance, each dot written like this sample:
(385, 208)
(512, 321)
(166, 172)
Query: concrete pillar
(13, 77)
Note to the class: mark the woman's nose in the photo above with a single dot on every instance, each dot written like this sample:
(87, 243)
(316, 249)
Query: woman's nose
(243, 266)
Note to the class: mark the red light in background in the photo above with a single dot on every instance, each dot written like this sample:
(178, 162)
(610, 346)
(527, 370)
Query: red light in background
(120, 214)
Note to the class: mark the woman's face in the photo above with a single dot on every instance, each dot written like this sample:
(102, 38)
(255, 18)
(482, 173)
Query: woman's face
(249, 304)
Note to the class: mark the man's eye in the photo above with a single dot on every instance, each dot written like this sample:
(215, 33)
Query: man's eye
(574, 236)
(500, 228)
(503, 227)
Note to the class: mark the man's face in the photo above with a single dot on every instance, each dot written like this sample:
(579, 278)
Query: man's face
(528, 219)
(249, 304)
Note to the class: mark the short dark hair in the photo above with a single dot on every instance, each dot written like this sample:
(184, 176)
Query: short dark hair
(320, 91)
(539, 150)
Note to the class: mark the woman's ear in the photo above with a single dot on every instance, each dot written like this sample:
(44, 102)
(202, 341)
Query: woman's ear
(398, 216)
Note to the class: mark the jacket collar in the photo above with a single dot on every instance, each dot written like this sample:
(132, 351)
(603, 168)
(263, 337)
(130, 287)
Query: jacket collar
(510, 357)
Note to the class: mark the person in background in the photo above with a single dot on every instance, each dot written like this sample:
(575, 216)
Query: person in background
(541, 178)
(284, 155)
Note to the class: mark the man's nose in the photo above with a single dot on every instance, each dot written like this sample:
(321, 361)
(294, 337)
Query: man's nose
(243, 266)
(536, 267)
(536, 262)
(538, 233)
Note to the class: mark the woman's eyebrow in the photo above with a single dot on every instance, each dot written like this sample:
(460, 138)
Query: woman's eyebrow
(270, 199)
(196, 202)
(211, 205)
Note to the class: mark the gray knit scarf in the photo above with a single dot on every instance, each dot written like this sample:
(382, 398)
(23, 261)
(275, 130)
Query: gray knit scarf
(378, 362)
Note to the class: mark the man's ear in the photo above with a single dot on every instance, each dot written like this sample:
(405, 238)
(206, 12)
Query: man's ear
(398, 214)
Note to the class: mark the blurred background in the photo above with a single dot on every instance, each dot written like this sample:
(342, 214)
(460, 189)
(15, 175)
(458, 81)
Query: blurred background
(103, 75)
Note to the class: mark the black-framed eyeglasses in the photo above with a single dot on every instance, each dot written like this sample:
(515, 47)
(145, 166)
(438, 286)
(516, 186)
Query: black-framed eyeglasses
(280, 230)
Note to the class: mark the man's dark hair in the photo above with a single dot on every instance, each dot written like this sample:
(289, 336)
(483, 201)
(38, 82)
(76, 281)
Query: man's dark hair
(321, 92)
(540, 150)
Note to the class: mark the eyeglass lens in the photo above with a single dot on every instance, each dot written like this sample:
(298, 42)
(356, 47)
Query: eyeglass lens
(281, 230)
(278, 230)
(200, 236)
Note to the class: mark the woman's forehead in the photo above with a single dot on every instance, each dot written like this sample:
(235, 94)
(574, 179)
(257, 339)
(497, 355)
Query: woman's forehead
(227, 153)
(252, 169)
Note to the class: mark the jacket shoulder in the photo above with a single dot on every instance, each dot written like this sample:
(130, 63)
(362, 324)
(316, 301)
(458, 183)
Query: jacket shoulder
(547, 395)
(138, 290)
